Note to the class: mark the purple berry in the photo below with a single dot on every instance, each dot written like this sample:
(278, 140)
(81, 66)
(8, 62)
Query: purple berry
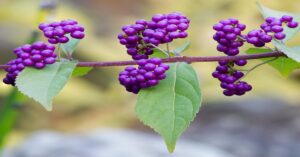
(77, 35)
(277, 29)
(228, 29)
(58, 32)
(241, 27)
(279, 36)
(49, 60)
(39, 65)
(158, 17)
(241, 62)
(292, 24)
(286, 18)
(38, 45)
(52, 40)
(63, 39)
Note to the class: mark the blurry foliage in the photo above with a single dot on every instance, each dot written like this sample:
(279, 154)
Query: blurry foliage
(9, 113)
(96, 100)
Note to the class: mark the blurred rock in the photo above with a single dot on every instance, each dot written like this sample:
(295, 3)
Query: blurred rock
(254, 128)
(108, 143)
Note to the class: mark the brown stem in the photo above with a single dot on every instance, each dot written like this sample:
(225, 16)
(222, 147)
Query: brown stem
(180, 59)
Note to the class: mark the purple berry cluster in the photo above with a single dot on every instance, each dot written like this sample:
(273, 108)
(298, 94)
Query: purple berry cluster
(230, 78)
(165, 28)
(37, 55)
(230, 39)
(228, 33)
(140, 37)
(148, 74)
(258, 38)
(133, 40)
(271, 28)
(57, 32)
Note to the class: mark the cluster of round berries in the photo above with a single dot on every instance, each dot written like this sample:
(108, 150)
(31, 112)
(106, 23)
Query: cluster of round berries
(230, 78)
(271, 28)
(228, 33)
(140, 37)
(258, 38)
(148, 74)
(37, 55)
(57, 32)
(133, 41)
(230, 38)
(165, 28)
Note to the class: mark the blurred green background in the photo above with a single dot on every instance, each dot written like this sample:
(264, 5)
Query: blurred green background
(97, 100)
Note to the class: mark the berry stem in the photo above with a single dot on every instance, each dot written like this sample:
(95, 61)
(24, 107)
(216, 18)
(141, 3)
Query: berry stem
(256, 66)
(168, 48)
(58, 52)
(180, 59)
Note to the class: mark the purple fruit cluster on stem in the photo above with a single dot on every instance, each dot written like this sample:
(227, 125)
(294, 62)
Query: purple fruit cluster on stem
(148, 74)
(230, 39)
(228, 35)
(140, 37)
(271, 29)
(37, 55)
(57, 32)
(230, 78)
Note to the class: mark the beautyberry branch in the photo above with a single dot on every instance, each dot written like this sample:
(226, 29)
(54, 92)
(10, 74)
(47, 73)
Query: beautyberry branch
(179, 59)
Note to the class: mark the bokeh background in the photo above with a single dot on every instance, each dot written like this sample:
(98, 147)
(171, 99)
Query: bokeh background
(94, 115)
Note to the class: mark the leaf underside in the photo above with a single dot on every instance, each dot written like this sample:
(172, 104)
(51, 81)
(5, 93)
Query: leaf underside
(81, 71)
(69, 47)
(282, 64)
(170, 106)
(43, 85)
(182, 48)
(290, 32)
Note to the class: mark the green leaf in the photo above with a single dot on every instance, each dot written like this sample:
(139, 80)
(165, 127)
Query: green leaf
(43, 85)
(291, 52)
(182, 48)
(157, 53)
(69, 47)
(170, 106)
(81, 71)
(290, 32)
(284, 65)
(9, 114)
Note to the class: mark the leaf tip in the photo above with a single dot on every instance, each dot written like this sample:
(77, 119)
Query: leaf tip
(48, 107)
(171, 147)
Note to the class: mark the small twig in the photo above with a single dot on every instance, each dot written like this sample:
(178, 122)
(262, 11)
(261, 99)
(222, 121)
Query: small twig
(168, 49)
(256, 66)
(58, 52)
